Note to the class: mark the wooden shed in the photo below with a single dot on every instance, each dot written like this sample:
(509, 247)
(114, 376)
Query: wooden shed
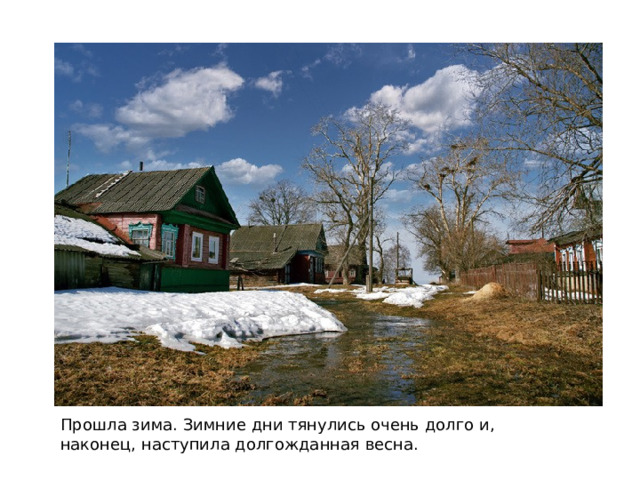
(86, 255)
(278, 254)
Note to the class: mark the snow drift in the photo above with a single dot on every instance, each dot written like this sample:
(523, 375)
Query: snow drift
(177, 319)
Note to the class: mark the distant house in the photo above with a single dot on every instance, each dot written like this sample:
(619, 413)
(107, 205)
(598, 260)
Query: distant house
(279, 254)
(537, 250)
(575, 250)
(357, 269)
(184, 214)
(532, 246)
(87, 255)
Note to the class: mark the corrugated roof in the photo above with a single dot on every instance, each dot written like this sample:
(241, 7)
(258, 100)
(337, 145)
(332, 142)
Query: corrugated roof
(132, 192)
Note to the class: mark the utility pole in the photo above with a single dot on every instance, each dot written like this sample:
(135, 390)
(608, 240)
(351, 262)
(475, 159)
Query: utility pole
(68, 157)
(397, 254)
(370, 279)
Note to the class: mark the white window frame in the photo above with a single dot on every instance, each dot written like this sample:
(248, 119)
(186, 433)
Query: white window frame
(169, 240)
(145, 228)
(201, 194)
(214, 246)
(194, 240)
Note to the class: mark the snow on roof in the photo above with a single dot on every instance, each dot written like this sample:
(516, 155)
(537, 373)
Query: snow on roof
(218, 318)
(88, 236)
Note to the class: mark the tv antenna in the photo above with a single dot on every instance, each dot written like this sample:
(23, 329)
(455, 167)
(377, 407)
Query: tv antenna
(68, 157)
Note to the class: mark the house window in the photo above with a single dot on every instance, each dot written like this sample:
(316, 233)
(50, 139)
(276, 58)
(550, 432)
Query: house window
(200, 194)
(214, 249)
(169, 237)
(597, 247)
(580, 257)
(140, 233)
(196, 247)
(571, 258)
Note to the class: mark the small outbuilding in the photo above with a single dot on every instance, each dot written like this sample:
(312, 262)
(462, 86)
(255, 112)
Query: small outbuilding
(88, 255)
(356, 269)
(278, 254)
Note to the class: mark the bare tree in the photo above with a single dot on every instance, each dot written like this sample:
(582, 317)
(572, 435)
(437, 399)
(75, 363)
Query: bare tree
(281, 204)
(352, 168)
(451, 251)
(544, 101)
(464, 185)
(394, 257)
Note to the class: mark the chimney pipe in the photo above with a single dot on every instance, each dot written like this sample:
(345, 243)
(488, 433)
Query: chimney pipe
(275, 246)
(141, 165)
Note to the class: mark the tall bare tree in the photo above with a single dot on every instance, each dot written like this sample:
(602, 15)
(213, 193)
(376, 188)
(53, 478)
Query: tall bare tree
(464, 184)
(282, 204)
(545, 101)
(352, 169)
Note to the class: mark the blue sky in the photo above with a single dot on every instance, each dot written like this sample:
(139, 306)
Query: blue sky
(247, 109)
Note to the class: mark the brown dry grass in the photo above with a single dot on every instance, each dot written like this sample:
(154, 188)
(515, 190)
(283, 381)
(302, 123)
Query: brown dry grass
(145, 373)
(504, 351)
(507, 351)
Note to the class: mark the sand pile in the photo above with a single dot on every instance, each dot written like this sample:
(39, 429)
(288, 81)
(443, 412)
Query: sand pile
(489, 291)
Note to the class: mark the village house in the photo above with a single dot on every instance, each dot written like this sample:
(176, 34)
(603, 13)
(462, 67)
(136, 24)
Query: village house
(185, 214)
(579, 249)
(536, 250)
(356, 268)
(278, 254)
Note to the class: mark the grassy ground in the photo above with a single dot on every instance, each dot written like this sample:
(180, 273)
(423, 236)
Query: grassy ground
(504, 351)
(509, 351)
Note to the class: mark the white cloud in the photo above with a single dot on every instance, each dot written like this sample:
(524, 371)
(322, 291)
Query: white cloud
(442, 102)
(76, 73)
(271, 83)
(411, 53)
(91, 110)
(64, 68)
(106, 136)
(393, 195)
(339, 55)
(239, 171)
(185, 102)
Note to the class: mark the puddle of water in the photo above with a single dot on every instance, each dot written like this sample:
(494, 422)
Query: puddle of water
(367, 365)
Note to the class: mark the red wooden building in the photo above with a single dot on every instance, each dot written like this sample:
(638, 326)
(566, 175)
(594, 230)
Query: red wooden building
(579, 248)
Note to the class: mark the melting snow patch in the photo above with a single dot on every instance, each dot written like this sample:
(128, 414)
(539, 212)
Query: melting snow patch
(404, 297)
(220, 318)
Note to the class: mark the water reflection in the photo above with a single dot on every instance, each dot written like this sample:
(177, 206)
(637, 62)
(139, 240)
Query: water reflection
(367, 365)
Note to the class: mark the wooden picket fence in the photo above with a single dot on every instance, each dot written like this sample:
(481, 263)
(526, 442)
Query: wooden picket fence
(577, 283)
(580, 282)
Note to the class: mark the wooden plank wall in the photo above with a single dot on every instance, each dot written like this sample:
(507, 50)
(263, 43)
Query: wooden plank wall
(579, 283)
